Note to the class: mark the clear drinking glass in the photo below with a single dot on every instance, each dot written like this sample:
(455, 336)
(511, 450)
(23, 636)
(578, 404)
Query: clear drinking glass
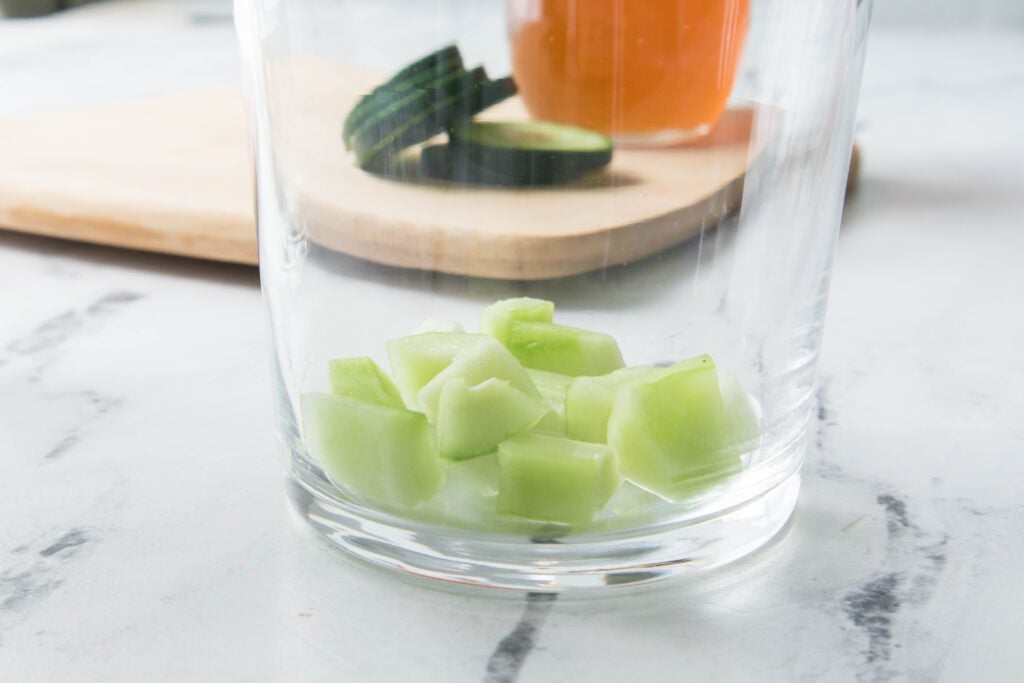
(669, 175)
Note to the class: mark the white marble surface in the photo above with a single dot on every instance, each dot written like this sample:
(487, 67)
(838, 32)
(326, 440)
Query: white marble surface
(144, 535)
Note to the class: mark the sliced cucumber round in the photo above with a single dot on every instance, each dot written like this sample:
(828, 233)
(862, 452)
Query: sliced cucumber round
(417, 75)
(525, 152)
(374, 148)
(391, 111)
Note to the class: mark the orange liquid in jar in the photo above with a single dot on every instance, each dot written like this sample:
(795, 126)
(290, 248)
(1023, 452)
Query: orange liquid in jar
(630, 68)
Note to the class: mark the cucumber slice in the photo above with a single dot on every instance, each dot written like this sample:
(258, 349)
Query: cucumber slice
(496, 317)
(565, 350)
(554, 479)
(419, 74)
(478, 363)
(387, 455)
(444, 163)
(363, 380)
(373, 150)
(527, 152)
(472, 421)
(552, 388)
(670, 430)
(588, 403)
(418, 358)
(388, 113)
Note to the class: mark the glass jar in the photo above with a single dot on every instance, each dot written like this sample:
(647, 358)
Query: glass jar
(547, 279)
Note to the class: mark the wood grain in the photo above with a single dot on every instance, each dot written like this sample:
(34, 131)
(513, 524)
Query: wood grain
(173, 175)
(169, 175)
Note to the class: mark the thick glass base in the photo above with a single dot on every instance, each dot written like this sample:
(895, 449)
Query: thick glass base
(577, 563)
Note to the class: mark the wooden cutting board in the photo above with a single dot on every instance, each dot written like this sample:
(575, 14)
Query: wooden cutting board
(173, 175)
(170, 175)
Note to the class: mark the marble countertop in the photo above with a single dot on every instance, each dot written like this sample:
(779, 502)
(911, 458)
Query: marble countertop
(144, 534)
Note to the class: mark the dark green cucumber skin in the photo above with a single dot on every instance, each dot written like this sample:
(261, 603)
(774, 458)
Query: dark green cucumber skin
(439, 162)
(474, 164)
(426, 65)
(373, 151)
(428, 70)
(379, 122)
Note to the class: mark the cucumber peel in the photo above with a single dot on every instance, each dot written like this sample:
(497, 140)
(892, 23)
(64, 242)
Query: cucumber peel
(528, 152)
(386, 117)
(438, 94)
(516, 153)
(373, 150)
(419, 74)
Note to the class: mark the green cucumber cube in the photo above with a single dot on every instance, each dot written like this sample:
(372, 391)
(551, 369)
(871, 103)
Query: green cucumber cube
(418, 358)
(670, 430)
(565, 350)
(588, 403)
(477, 363)
(553, 479)
(387, 455)
(552, 388)
(497, 316)
(363, 380)
(472, 421)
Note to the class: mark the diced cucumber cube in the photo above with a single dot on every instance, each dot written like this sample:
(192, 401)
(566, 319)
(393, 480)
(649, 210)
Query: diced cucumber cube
(552, 388)
(387, 455)
(418, 358)
(566, 350)
(363, 380)
(554, 479)
(588, 403)
(670, 430)
(477, 363)
(497, 316)
(472, 421)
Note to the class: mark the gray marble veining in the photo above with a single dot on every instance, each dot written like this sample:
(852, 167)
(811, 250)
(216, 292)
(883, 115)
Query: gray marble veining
(143, 534)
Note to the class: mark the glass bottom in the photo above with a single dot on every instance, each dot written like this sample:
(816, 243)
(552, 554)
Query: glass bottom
(581, 563)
